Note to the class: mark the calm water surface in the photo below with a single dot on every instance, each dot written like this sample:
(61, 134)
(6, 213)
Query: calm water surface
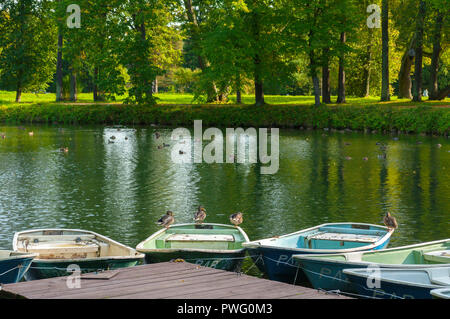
(121, 189)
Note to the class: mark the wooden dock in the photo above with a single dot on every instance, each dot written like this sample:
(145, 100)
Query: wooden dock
(171, 280)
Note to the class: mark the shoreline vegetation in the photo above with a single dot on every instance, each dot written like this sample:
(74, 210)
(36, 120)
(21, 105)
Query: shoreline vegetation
(368, 115)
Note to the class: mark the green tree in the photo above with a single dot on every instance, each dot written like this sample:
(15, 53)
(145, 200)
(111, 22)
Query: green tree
(27, 37)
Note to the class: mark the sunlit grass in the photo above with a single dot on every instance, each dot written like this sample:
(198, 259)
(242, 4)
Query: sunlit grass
(8, 98)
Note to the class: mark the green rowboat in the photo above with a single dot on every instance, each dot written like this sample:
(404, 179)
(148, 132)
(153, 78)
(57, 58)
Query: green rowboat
(60, 252)
(326, 271)
(211, 245)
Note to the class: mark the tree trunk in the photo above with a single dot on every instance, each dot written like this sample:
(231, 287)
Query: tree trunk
(313, 72)
(367, 68)
(195, 36)
(18, 92)
(95, 92)
(417, 96)
(341, 77)
(437, 49)
(155, 86)
(59, 71)
(404, 75)
(367, 72)
(238, 89)
(385, 88)
(316, 86)
(73, 87)
(442, 94)
(326, 86)
(259, 91)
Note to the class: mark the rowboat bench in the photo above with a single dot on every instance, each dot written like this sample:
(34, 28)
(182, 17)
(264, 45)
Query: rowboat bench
(199, 237)
(441, 256)
(342, 230)
(43, 238)
(64, 246)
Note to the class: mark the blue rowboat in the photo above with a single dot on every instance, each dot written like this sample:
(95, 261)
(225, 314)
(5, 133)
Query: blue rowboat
(326, 271)
(441, 293)
(273, 256)
(14, 265)
(386, 283)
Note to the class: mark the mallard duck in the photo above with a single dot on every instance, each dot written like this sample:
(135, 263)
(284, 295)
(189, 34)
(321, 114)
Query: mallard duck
(200, 215)
(237, 218)
(157, 135)
(390, 221)
(167, 219)
(64, 149)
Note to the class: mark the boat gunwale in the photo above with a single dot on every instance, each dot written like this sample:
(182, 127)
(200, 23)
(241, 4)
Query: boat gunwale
(257, 243)
(323, 257)
(441, 293)
(22, 255)
(143, 250)
(137, 255)
(355, 272)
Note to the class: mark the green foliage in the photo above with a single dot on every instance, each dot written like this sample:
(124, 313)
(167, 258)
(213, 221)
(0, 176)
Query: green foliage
(27, 39)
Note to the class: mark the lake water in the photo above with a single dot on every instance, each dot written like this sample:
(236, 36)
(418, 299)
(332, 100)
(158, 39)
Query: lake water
(121, 189)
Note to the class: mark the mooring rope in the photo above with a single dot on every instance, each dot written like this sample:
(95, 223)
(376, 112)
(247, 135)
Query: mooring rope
(17, 267)
(333, 278)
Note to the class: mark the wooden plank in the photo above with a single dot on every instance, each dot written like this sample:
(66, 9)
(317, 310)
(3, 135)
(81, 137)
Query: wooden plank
(100, 286)
(128, 273)
(150, 290)
(165, 280)
(220, 290)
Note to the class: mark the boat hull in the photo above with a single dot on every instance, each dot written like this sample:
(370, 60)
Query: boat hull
(223, 261)
(211, 245)
(327, 273)
(57, 268)
(13, 270)
(279, 264)
(388, 289)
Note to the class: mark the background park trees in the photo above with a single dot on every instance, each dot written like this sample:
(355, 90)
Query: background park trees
(220, 48)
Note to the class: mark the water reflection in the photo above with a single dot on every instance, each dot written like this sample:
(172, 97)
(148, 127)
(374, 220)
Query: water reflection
(121, 186)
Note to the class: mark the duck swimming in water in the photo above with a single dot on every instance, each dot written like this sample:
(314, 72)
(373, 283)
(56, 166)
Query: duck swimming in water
(237, 218)
(200, 215)
(390, 221)
(167, 219)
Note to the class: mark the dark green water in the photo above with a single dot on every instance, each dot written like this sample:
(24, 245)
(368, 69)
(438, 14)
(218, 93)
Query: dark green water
(120, 190)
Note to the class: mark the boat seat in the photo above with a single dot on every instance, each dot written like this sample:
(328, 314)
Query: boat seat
(354, 257)
(440, 276)
(45, 238)
(441, 256)
(360, 238)
(63, 250)
(200, 237)
(343, 230)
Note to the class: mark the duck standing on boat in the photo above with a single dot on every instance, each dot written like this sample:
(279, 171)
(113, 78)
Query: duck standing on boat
(167, 219)
(390, 221)
(200, 215)
(237, 218)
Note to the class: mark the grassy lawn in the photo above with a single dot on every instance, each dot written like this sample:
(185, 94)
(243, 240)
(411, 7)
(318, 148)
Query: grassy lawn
(8, 98)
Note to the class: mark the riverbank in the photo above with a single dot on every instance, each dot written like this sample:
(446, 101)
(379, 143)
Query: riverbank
(422, 119)
(426, 117)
